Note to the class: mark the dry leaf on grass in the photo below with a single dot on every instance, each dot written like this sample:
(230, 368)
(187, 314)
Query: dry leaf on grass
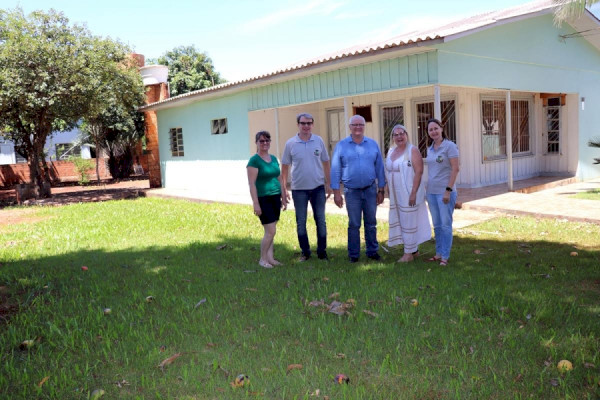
(292, 367)
(198, 304)
(316, 303)
(371, 313)
(334, 295)
(43, 381)
(251, 289)
(169, 361)
(340, 356)
(221, 247)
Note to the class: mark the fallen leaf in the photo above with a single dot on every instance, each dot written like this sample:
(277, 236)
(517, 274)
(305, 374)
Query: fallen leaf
(371, 313)
(149, 299)
(573, 254)
(518, 378)
(336, 308)
(43, 381)
(26, 344)
(316, 303)
(325, 278)
(477, 251)
(169, 361)
(96, 394)
(350, 303)
(221, 247)
(198, 304)
(209, 345)
(249, 271)
(162, 348)
(122, 383)
(84, 268)
(340, 356)
(292, 367)
(316, 393)
(334, 295)
(250, 289)
(107, 311)
(240, 381)
(554, 382)
(589, 365)
(341, 378)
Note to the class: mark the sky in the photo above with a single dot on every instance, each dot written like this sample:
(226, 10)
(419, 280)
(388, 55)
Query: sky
(248, 38)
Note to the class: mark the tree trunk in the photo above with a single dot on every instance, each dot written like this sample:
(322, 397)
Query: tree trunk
(40, 189)
(97, 159)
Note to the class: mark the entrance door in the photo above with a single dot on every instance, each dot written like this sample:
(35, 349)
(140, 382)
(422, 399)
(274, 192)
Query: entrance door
(336, 127)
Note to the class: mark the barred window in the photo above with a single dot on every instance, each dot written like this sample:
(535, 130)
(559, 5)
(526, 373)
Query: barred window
(176, 137)
(424, 112)
(553, 125)
(218, 126)
(493, 128)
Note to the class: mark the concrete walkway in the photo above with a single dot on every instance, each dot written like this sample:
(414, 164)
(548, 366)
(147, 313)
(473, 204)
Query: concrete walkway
(546, 202)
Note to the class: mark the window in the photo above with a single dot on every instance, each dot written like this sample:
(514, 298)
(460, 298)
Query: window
(390, 116)
(493, 127)
(363, 111)
(176, 136)
(219, 126)
(553, 125)
(66, 150)
(425, 113)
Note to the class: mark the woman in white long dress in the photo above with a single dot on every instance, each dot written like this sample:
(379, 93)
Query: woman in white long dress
(409, 217)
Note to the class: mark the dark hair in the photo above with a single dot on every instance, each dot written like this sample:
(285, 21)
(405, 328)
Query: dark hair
(437, 121)
(305, 115)
(260, 134)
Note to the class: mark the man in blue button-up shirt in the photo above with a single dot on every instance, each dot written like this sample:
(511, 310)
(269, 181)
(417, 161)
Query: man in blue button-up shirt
(357, 163)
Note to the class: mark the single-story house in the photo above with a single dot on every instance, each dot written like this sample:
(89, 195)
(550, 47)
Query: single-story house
(475, 74)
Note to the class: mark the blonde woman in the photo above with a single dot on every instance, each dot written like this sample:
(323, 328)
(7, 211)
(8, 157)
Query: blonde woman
(409, 218)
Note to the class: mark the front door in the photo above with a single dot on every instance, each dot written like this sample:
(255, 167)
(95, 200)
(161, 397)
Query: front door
(336, 127)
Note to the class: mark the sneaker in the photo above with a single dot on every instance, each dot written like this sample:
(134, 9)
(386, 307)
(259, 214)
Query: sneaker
(323, 256)
(375, 257)
(353, 260)
(303, 258)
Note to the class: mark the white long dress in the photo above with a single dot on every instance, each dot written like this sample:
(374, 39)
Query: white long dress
(410, 226)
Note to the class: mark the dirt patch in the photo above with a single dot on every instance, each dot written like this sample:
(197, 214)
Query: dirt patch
(18, 216)
(69, 194)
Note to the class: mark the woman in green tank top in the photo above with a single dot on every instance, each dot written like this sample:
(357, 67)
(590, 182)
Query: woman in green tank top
(264, 180)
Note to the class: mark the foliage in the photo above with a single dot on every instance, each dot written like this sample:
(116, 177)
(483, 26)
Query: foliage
(83, 166)
(593, 194)
(493, 324)
(189, 70)
(596, 144)
(50, 76)
(567, 9)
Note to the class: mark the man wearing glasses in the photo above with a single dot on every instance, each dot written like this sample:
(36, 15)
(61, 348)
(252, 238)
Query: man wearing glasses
(357, 163)
(307, 155)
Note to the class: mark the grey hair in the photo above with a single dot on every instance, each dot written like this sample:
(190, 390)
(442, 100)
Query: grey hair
(357, 116)
(399, 126)
(305, 115)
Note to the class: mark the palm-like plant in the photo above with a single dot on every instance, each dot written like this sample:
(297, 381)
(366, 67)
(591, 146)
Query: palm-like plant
(567, 9)
(595, 143)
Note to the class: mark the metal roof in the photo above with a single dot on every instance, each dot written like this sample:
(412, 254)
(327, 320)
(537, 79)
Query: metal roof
(442, 33)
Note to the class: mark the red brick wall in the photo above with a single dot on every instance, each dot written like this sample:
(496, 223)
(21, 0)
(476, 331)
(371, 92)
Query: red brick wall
(60, 171)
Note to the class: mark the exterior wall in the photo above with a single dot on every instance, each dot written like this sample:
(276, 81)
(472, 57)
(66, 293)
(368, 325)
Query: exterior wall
(207, 158)
(395, 73)
(529, 55)
(60, 171)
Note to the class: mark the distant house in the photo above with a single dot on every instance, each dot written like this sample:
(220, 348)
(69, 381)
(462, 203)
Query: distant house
(472, 74)
(59, 147)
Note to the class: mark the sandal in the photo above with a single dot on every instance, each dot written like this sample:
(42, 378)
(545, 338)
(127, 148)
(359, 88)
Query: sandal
(443, 263)
(406, 258)
(434, 259)
(264, 264)
(275, 262)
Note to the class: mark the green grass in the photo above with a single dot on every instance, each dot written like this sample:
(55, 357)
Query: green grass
(593, 194)
(491, 325)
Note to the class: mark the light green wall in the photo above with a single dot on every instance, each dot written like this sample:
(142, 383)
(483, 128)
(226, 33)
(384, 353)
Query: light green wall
(195, 119)
(396, 73)
(529, 55)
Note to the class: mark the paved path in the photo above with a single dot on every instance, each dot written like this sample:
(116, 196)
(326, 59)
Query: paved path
(550, 203)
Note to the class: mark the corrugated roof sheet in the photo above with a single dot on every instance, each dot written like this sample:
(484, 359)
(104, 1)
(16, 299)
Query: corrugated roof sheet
(442, 32)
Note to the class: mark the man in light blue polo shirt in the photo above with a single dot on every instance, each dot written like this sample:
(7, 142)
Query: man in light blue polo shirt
(357, 163)
(307, 155)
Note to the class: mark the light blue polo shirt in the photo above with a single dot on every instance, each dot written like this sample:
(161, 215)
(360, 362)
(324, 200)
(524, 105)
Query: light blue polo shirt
(306, 159)
(438, 166)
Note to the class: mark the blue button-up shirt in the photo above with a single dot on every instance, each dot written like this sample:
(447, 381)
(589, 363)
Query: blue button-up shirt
(357, 165)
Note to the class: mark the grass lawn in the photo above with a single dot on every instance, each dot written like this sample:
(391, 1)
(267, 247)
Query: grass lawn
(512, 303)
(593, 194)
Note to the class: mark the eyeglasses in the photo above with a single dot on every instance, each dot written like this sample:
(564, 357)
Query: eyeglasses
(398, 134)
(305, 123)
(265, 141)
(356, 125)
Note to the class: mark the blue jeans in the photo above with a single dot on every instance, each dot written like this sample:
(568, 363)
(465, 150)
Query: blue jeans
(362, 203)
(316, 197)
(441, 215)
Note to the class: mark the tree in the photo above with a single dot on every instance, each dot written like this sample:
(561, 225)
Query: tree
(112, 122)
(567, 9)
(50, 72)
(189, 70)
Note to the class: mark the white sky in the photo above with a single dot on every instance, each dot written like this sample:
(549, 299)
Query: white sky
(246, 38)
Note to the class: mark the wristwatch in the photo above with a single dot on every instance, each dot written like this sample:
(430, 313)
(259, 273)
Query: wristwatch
(448, 189)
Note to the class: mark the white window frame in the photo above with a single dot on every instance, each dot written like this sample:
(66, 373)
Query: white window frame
(560, 123)
(531, 111)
